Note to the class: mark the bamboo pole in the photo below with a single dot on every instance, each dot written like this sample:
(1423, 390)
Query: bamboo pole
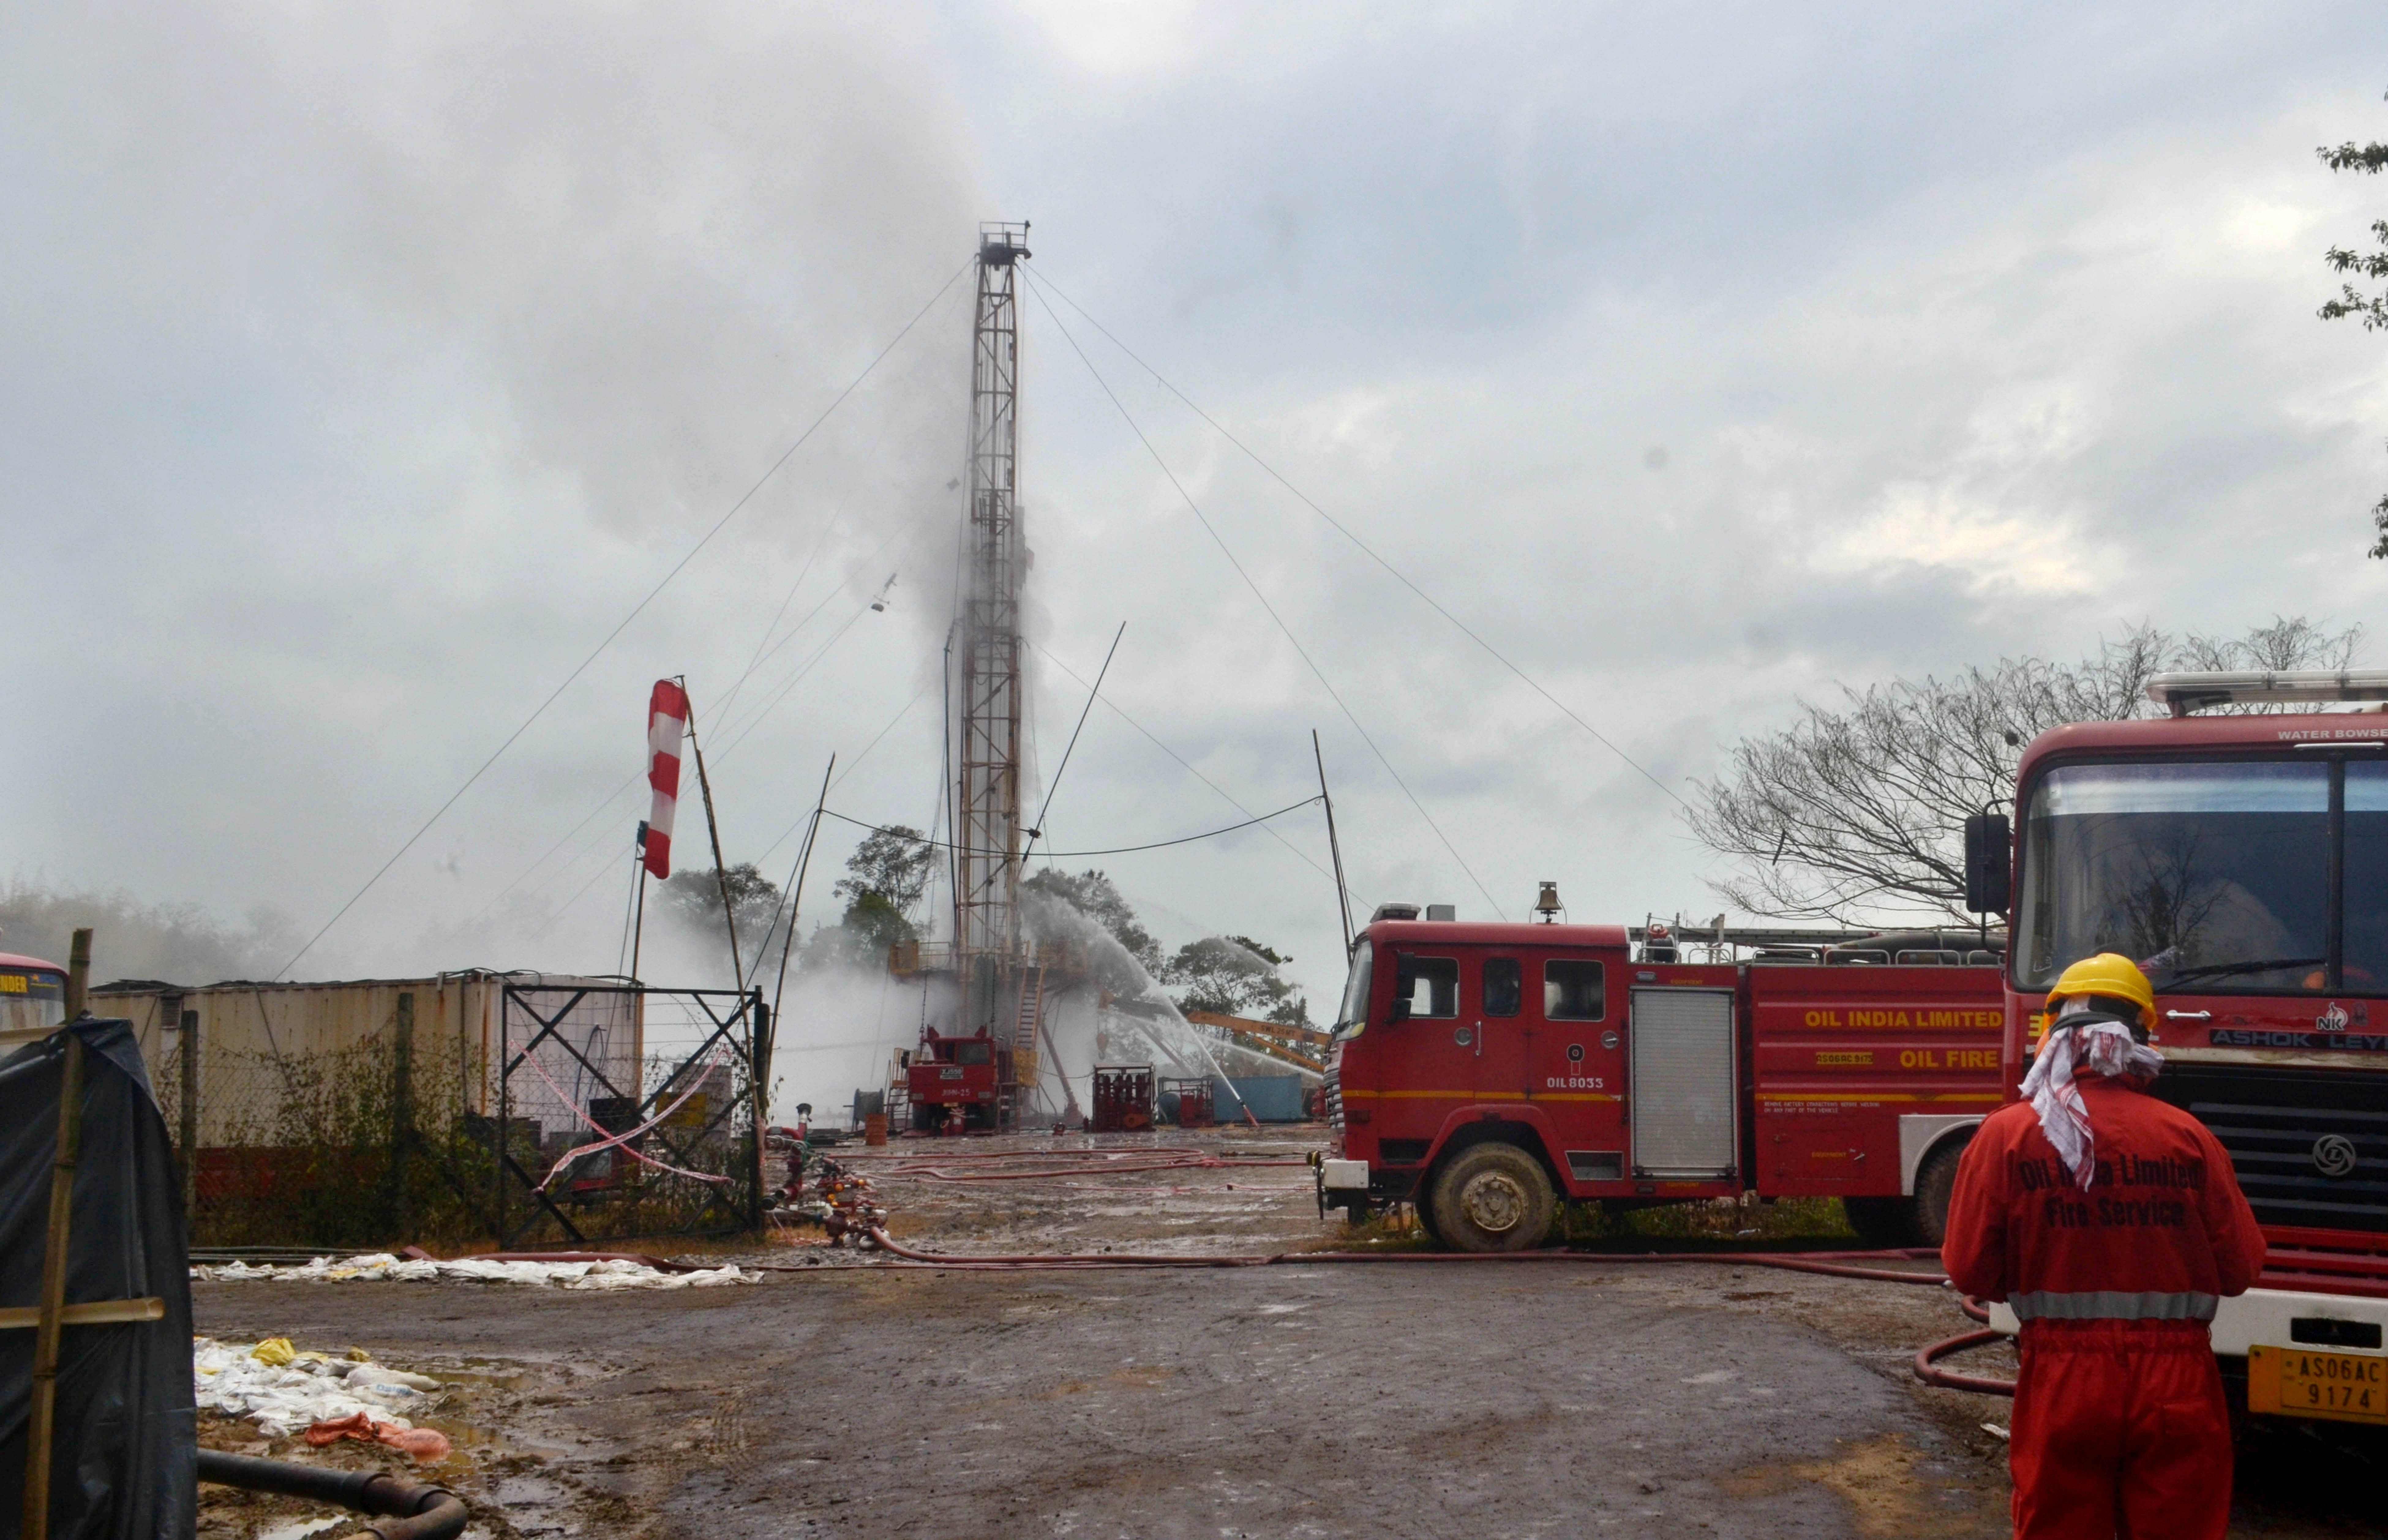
(713, 831)
(42, 1429)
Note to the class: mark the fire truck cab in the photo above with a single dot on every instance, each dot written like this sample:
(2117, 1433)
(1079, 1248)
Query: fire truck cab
(2243, 860)
(1487, 1072)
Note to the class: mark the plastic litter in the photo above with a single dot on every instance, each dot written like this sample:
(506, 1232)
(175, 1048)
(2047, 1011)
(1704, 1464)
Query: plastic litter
(382, 1267)
(306, 1389)
(425, 1444)
(274, 1353)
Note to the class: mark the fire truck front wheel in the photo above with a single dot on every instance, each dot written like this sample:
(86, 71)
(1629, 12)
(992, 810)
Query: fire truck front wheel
(1493, 1197)
(1936, 1183)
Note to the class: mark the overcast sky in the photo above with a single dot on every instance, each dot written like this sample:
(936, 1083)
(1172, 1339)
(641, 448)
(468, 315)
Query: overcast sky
(358, 375)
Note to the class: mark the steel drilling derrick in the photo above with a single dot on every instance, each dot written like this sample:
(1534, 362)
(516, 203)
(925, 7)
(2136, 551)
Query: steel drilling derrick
(987, 780)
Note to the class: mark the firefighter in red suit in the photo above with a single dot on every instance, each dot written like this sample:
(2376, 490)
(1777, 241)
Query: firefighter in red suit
(2110, 1223)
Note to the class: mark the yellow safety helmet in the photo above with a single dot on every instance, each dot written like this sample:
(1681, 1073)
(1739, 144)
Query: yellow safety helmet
(2111, 975)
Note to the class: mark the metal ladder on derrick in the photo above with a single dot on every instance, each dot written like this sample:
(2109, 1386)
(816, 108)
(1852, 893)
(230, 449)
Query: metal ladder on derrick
(1024, 1040)
(898, 1102)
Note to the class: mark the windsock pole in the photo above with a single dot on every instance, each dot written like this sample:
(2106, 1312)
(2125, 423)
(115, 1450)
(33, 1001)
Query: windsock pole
(639, 925)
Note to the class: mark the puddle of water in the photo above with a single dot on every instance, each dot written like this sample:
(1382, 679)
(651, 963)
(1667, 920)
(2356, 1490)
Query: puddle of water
(491, 1377)
(469, 1436)
(474, 1437)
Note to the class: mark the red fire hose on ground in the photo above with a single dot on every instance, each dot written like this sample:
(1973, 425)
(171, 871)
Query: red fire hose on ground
(1927, 1361)
(941, 1166)
(1928, 1370)
(1837, 1264)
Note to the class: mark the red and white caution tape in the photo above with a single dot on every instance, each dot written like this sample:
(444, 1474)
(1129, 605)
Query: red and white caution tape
(618, 1141)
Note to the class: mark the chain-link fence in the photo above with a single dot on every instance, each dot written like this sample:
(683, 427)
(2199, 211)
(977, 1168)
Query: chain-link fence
(360, 1145)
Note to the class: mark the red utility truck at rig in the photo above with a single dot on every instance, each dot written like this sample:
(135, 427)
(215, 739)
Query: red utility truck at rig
(964, 1073)
(1486, 1073)
(2245, 860)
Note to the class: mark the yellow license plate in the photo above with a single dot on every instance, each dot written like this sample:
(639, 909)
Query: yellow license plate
(2299, 1381)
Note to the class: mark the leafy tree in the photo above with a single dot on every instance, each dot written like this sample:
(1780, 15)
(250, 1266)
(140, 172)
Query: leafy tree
(2373, 310)
(892, 866)
(1857, 812)
(694, 897)
(872, 924)
(1094, 895)
(1236, 976)
(884, 878)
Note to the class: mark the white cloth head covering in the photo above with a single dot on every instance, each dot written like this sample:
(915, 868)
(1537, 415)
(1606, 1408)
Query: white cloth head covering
(2107, 1046)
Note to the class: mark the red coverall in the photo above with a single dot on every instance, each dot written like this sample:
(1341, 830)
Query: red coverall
(2120, 1426)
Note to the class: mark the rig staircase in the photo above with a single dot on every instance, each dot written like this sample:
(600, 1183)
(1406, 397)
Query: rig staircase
(1015, 1096)
(898, 1103)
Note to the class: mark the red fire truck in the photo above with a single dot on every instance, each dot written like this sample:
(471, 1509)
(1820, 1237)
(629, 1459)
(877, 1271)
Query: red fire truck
(1485, 1073)
(2245, 860)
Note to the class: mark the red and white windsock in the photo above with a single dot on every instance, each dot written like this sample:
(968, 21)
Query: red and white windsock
(667, 722)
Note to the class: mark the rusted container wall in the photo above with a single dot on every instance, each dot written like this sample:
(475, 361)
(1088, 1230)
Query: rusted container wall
(264, 1045)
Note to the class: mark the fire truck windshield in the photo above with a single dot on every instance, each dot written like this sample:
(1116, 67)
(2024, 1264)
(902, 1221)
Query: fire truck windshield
(1354, 1014)
(2217, 874)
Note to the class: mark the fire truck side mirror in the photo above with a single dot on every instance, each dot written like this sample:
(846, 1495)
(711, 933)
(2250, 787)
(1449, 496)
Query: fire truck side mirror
(1990, 865)
(1404, 985)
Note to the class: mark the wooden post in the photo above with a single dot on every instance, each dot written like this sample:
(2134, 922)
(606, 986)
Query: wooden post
(77, 974)
(401, 1109)
(498, 1162)
(190, 1114)
(41, 1427)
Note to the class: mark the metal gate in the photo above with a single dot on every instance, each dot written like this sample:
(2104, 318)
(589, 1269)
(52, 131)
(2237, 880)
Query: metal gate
(627, 1111)
(1685, 1128)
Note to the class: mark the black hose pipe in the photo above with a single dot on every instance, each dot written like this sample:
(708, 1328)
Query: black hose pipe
(410, 1511)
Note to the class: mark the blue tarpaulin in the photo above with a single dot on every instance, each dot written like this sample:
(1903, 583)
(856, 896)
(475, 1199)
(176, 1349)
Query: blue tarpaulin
(1273, 1098)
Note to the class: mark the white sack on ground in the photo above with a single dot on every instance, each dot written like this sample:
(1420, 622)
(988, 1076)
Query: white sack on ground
(288, 1398)
(381, 1267)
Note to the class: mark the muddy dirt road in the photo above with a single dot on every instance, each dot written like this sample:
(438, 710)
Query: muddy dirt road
(1288, 1401)
(854, 1399)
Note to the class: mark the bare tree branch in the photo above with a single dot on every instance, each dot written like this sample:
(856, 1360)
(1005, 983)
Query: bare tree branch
(1856, 814)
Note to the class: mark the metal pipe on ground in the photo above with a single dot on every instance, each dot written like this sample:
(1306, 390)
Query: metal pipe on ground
(407, 1510)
